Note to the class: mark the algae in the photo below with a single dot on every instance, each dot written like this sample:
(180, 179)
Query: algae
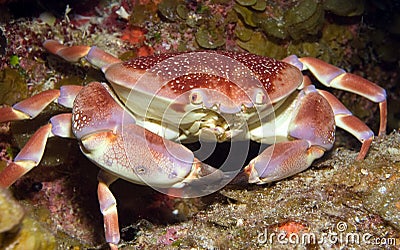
(260, 5)
(12, 86)
(19, 231)
(304, 19)
(143, 13)
(246, 2)
(210, 38)
(344, 7)
(168, 9)
(246, 14)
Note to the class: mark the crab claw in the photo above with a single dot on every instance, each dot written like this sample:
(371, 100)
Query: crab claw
(203, 180)
(203, 173)
(282, 160)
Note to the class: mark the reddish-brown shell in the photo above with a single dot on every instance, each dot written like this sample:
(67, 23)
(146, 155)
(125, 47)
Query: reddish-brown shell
(238, 76)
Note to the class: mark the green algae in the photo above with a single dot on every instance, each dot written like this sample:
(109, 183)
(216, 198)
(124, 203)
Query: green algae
(14, 60)
(11, 212)
(344, 7)
(301, 28)
(258, 44)
(209, 28)
(143, 13)
(273, 27)
(243, 33)
(128, 55)
(19, 231)
(246, 2)
(246, 15)
(13, 86)
(260, 5)
(210, 38)
(168, 9)
(304, 19)
(182, 11)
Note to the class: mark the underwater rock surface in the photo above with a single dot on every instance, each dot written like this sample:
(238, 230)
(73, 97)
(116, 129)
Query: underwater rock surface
(338, 196)
(20, 230)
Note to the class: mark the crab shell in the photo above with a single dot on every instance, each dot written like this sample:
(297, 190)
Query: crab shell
(186, 93)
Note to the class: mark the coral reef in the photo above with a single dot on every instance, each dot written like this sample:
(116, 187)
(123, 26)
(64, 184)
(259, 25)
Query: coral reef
(60, 195)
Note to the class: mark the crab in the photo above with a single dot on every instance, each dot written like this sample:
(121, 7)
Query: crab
(133, 126)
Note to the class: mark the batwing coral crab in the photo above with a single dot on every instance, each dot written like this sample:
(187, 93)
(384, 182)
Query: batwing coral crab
(132, 126)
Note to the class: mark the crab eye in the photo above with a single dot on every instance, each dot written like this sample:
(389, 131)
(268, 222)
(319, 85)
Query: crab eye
(196, 98)
(260, 98)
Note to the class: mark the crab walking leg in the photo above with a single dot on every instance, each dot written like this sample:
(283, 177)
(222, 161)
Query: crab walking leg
(335, 77)
(108, 207)
(345, 120)
(32, 153)
(313, 128)
(70, 54)
(31, 107)
(28, 157)
(94, 55)
(28, 108)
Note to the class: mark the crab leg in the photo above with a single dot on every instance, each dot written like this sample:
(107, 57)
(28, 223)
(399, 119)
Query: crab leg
(345, 120)
(32, 153)
(94, 55)
(28, 108)
(335, 77)
(31, 107)
(108, 207)
(60, 125)
(313, 129)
